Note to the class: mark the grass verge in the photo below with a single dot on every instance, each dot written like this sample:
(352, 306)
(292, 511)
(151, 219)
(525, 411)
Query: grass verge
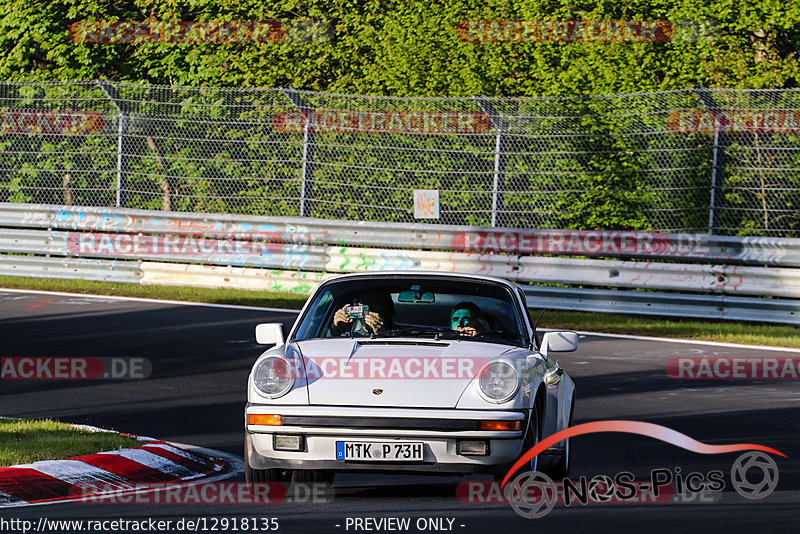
(243, 297)
(730, 332)
(25, 441)
(727, 332)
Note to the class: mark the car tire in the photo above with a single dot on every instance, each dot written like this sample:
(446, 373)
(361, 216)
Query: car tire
(305, 476)
(560, 470)
(252, 475)
(531, 439)
(266, 475)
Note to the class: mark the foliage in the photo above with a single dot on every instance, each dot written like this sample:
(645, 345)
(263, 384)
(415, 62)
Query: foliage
(185, 145)
(410, 48)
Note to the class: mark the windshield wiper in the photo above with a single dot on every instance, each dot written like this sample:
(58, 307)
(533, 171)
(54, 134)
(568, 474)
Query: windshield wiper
(438, 333)
(501, 334)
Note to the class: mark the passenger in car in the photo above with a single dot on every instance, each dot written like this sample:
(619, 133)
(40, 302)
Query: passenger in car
(468, 320)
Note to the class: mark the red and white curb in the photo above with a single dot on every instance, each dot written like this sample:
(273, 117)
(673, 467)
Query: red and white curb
(73, 478)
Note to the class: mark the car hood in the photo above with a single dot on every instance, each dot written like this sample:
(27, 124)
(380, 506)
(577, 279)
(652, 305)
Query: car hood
(398, 372)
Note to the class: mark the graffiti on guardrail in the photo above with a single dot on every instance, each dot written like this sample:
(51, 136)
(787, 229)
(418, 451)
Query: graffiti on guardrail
(180, 225)
(784, 252)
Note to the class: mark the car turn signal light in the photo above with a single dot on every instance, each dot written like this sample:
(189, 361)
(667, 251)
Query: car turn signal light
(501, 425)
(264, 419)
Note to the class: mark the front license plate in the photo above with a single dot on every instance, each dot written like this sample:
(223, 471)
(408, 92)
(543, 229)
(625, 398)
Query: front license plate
(368, 451)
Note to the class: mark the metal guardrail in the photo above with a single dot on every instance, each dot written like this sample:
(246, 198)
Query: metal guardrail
(779, 252)
(715, 307)
(718, 279)
(160, 248)
(127, 272)
(712, 307)
(721, 279)
(149, 247)
(171, 274)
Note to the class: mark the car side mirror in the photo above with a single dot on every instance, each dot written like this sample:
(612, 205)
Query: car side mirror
(563, 341)
(269, 334)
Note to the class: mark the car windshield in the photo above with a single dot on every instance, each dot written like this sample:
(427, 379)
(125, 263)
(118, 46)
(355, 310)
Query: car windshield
(436, 308)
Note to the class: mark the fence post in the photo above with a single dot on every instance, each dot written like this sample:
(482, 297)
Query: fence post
(307, 172)
(122, 144)
(717, 163)
(499, 172)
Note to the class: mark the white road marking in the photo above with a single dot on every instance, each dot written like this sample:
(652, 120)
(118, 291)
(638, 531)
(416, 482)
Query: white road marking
(286, 310)
(152, 301)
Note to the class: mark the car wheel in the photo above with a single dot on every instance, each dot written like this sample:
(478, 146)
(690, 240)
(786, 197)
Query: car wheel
(560, 470)
(266, 475)
(252, 475)
(532, 438)
(311, 477)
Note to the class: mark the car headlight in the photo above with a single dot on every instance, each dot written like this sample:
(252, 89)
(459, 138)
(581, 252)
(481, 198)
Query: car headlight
(273, 376)
(498, 381)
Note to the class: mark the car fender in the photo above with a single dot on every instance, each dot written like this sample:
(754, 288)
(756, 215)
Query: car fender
(299, 392)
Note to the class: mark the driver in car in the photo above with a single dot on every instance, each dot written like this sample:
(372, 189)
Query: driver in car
(376, 321)
(468, 320)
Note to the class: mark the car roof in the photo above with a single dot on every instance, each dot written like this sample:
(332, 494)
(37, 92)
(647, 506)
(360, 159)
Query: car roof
(434, 274)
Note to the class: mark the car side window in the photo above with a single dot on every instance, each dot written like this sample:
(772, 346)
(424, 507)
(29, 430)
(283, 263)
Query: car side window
(321, 311)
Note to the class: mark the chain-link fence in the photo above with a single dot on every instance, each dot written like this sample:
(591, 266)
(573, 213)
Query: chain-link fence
(720, 161)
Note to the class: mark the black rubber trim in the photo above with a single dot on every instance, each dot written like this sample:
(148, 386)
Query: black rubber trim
(391, 342)
(383, 423)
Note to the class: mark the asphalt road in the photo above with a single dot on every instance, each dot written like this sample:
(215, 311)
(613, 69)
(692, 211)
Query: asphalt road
(201, 357)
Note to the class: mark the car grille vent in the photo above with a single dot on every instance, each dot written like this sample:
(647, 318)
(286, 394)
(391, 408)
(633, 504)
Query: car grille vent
(422, 343)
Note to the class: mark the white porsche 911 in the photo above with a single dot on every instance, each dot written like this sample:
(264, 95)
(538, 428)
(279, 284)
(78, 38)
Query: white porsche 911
(406, 372)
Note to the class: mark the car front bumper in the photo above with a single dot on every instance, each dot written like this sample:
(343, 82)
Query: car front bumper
(439, 430)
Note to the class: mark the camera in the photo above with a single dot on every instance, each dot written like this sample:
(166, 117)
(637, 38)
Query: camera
(357, 312)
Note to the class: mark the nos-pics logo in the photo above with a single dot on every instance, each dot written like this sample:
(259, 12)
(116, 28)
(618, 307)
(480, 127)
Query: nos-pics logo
(754, 475)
